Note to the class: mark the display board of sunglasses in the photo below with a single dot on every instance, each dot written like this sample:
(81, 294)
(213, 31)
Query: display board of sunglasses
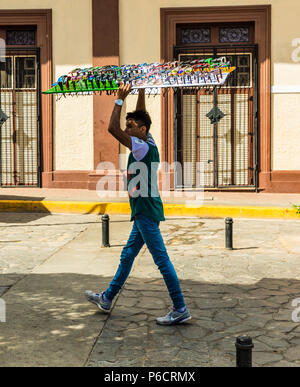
(196, 73)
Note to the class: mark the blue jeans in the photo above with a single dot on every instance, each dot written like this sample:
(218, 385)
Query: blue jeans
(146, 230)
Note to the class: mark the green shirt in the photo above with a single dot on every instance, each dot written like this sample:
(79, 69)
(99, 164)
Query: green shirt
(142, 186)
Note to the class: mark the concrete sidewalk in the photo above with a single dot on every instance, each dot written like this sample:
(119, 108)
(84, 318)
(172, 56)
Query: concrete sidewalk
(47, 261)
(212, 204)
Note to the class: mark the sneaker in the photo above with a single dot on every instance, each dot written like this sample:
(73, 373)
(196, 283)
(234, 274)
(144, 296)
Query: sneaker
(97, 299)
(174, 317)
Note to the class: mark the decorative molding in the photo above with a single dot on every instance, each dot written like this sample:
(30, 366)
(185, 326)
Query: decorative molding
(67, 179)
(284, 182)
(18, 37)
(195, 35)
(234, 35)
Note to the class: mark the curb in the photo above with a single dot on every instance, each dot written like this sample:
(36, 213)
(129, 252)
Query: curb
(169, 209)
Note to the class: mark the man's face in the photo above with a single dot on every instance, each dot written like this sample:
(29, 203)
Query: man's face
(134, 129)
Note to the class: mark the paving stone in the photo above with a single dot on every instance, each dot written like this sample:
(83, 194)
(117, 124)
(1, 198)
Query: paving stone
(133, 354)
(281, 326)
(216, 304)
(264, 293)
(273, 342)
(119, 325)
(207, 296)
(254, 303)
(278, 299)
(295, 340)
(193, 332)
(259, 311)
(260, 346)
(284, 363)
(158, 341)
(138, 318)
(132, 342)
(140, 332)
(105, 352)
(227, 344)
(228, 317)
(293, 353)
(258, 320)
(206, 314)
(189, 358)
(241, 328)
(215, 336)
(210, 325)
(162, 353)
(3, 289)
(292, 292)
(151, 303)
(199, 346)
(129, 302)
(219, 359)
(283, 315)
(262, 358)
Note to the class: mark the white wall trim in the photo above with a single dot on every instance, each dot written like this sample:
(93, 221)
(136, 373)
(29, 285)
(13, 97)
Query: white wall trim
(285, 89)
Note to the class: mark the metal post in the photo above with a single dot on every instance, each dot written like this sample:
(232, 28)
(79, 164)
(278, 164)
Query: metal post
(228, 233)
(105, 231)
(244, 347)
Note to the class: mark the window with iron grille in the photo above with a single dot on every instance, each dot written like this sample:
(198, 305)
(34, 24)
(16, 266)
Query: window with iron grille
(20, 133)
(217, 33)
(20, 37)
(226, 150)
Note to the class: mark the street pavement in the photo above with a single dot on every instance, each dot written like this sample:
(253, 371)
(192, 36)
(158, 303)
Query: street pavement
(47, 261)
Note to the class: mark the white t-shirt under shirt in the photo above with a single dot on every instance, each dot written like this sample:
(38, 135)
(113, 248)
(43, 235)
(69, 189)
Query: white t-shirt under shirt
(140, 148)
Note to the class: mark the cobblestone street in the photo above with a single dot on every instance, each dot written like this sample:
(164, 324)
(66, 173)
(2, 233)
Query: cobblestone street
(47, 261)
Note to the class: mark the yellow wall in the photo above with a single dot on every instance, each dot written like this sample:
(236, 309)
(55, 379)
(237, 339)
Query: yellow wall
(72, 47)
(286, 132)
(140, 42)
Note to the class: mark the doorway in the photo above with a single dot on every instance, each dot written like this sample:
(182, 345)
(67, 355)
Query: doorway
(21, 132)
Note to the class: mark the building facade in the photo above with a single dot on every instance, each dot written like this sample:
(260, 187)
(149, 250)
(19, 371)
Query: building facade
(62, 143)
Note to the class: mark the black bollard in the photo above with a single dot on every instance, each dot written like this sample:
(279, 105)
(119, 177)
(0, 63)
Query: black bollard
(244, 347)
(228, 233)
(105, 231)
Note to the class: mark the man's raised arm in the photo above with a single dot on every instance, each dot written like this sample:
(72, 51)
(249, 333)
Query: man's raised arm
(141, 104)
(114, 126)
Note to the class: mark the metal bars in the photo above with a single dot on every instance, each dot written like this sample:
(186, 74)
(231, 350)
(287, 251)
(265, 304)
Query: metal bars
(227, 149)
(20, 134)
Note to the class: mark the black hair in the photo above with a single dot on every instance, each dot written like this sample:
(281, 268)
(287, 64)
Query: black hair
(141, 117)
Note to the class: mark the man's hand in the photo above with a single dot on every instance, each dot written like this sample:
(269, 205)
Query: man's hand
(123, 91)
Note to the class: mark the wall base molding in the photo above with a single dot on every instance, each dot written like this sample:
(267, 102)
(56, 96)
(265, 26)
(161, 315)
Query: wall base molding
(284, 182)
(271, 182)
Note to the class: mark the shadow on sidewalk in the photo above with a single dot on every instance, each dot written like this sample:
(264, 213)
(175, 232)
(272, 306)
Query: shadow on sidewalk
(21, 217)
(21, 197)
(49, 323)
(13, 204)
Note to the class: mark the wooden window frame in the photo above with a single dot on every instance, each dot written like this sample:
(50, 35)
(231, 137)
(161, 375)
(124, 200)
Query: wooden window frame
(42, 19)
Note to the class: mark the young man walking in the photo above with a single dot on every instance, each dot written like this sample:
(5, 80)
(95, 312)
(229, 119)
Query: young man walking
(146, 209)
